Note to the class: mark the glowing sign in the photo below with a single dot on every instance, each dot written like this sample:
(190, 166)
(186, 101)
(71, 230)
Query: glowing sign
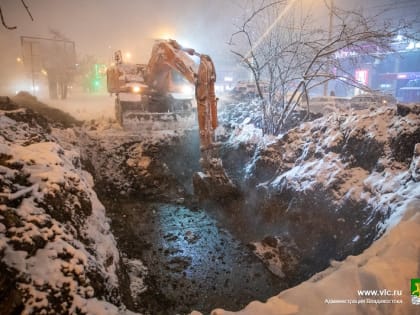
(361, 76)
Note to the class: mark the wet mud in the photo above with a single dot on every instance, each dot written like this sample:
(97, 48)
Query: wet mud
(193, 263)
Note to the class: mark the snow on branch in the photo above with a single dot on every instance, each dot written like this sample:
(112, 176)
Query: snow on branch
(297, 53)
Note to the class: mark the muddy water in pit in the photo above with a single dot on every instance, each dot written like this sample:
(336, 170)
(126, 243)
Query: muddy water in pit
(192, 262)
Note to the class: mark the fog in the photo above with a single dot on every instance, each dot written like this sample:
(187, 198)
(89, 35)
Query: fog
(100, 27)
(95, 25)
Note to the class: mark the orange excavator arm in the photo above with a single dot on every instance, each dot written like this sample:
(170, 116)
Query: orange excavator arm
(206, 100)
(168, 55)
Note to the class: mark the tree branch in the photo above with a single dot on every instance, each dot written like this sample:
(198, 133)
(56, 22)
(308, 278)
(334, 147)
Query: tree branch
(252, 16)
(296, 58)
(27, 9)
(4, 22)
(14, 27)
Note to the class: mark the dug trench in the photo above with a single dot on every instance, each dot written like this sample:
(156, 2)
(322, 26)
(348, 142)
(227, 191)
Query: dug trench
(198, 255)
(191, 259)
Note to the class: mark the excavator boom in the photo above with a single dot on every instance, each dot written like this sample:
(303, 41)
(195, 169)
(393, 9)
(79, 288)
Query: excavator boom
(156, 81)
(206, 101)
(167, 55)
(171, 54)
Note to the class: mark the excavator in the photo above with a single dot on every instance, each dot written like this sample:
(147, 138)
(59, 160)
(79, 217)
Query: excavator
(161, 91)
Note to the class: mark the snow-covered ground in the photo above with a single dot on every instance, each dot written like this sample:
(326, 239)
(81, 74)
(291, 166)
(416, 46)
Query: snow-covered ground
(53, 230)
(84, 106)
(389, 264)
(55, 235)
(369, 159)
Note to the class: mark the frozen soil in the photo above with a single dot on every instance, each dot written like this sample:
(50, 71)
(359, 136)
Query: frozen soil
(57, 255)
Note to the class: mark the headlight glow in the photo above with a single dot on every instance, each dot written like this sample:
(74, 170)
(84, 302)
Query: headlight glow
(187, 89)
(135, 89)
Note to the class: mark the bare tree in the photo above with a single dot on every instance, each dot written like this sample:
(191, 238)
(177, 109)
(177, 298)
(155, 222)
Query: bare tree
(283, 44)
(14, 27)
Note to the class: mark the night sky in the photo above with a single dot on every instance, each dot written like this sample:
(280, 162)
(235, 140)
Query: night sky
(100, 27)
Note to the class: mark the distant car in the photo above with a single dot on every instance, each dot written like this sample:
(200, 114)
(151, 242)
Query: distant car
(365, 101)
(327, 104)
(248, 89)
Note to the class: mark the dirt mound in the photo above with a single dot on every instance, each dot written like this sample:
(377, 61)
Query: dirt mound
(55, 243)
(54, 116)
(329, 185)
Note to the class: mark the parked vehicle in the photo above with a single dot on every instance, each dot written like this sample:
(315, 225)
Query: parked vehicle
(327, 104)
(368, 100)
(248, 89)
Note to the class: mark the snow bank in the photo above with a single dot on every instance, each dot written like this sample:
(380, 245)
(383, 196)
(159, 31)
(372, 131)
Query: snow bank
(335, 185)
(86, 106)
(357, 157)
(388, 264)
(356, 168)
(53, 229)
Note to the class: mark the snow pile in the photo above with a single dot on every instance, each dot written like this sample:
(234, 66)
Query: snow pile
(53, 230)
(236, 114)
(333, 186)
(362, 158)
(233, 115)
(388, 264)
(136, 272)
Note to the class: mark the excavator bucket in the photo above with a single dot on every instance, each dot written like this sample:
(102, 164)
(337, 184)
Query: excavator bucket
(213, 183)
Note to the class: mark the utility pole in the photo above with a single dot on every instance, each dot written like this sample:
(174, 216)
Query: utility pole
(32, 68)
(329, 40)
